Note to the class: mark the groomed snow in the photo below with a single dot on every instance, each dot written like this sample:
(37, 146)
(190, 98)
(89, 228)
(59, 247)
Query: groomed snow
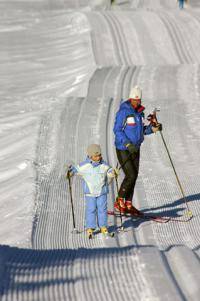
(64, 67)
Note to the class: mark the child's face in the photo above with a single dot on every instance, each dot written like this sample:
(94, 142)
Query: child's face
(96, 158)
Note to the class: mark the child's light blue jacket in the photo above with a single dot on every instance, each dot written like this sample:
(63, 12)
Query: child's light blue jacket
(95, 175)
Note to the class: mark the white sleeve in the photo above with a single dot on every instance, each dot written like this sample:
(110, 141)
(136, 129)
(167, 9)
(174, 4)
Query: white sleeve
(110, 173)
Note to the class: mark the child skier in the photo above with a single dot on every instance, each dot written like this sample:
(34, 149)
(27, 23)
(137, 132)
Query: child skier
(95, 173)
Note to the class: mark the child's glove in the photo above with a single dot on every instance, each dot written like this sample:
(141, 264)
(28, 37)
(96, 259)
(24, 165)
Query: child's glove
(116, 172)
(70, 172)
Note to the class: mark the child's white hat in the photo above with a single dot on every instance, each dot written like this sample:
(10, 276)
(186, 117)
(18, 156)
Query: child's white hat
(93, 150)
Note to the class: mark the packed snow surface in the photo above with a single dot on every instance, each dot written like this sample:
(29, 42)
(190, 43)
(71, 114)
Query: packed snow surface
(64, 68)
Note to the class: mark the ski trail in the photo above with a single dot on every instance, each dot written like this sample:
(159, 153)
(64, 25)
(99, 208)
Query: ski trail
(181, 34)
(145, 263)
(188, 276)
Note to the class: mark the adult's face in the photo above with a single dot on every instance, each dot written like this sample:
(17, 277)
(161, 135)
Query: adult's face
(135, 102)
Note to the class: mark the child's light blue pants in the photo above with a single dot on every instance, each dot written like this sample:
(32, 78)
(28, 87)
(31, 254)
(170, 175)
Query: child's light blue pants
(96, 211)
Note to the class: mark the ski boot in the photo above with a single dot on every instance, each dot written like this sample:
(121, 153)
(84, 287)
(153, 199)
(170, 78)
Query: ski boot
(119, 205)
(90, 233)
(104, 231)
(130, 209)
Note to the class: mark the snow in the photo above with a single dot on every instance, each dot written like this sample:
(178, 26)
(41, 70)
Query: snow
(64, 67)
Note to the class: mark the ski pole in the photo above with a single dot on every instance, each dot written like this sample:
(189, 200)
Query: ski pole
(189, 212)
(120, 214)
(71, 199)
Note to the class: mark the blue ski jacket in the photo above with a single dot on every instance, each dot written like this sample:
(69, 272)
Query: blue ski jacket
(95, 176)
(129, 126)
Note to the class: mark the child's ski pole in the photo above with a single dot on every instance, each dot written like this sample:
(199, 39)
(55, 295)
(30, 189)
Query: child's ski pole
(120, 214)
(71, 199)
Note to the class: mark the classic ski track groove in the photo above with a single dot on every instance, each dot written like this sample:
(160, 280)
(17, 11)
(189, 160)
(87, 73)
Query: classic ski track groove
(119, 57)
(183, 35)
(49, 213)
(117, 40)
(117, 30)
(183, 54)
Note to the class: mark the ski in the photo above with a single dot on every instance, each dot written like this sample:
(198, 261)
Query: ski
(104, 235)
(109, 234)
(155, 218)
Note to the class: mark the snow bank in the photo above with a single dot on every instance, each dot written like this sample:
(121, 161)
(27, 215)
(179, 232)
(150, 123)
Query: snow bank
(43, 58)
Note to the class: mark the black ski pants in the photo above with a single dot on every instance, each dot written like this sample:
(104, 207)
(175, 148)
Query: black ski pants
(130, 166)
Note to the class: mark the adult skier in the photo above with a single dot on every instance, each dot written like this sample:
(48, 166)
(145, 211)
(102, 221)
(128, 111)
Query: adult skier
(95, 173)
(129, 131)
(181, 3)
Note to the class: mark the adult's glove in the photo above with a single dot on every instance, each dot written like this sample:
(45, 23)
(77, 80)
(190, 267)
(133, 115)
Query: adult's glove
(132, 148)
(157, 128)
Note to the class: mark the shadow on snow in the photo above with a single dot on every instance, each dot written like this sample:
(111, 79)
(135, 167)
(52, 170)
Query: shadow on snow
(173, 209)
(25, 271)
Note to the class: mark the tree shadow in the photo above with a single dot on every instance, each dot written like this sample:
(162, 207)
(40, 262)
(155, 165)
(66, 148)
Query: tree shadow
(41, 272)
(17, 266)
(62, 274)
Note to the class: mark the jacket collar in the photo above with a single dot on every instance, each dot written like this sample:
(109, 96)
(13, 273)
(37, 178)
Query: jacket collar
(139, 109)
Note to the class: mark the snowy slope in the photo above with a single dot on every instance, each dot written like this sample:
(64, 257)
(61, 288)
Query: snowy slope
(63, 75)
(44, 57)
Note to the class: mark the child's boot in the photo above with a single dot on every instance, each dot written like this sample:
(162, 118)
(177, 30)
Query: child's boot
(90, 233)
(104, 230)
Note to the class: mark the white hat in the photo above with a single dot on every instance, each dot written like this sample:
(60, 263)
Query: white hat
(94, 150)
(136, 93)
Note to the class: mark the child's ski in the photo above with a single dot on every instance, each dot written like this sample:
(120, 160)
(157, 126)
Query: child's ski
(155, 218)
(103, 235)
(109, 234)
